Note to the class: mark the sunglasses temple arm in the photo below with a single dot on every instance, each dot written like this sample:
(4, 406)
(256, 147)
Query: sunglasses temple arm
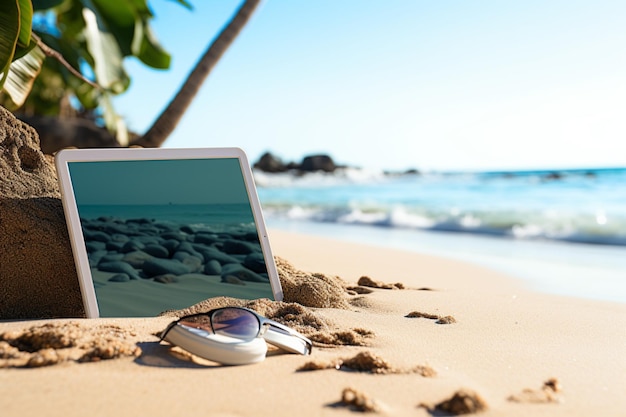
(275, 326)
(167, 329)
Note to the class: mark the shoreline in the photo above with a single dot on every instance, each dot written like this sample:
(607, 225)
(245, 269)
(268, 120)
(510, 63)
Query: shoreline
(342, 255)
(558, 268)
(507, 341)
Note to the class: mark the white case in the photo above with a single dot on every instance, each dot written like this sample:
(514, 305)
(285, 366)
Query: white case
(218, 348)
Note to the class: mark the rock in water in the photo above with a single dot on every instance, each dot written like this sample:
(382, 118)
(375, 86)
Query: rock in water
(119, 267)
(37, 274)
(157, 266)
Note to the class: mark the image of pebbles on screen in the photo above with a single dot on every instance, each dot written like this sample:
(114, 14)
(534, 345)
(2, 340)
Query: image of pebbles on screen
(166, 234)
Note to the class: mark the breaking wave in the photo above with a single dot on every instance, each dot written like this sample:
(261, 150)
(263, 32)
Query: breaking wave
(575, 206)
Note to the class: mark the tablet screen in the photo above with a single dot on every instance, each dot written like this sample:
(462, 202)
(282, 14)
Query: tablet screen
(168, 233)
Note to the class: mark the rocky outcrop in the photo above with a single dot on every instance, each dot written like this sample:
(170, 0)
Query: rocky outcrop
(37, 274)
(312, 163)
(270, 163)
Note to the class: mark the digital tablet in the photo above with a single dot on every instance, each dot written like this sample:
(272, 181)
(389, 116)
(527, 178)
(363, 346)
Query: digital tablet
(160, 229)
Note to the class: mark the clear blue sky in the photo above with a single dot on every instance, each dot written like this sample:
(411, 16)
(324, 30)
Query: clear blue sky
(429, 84)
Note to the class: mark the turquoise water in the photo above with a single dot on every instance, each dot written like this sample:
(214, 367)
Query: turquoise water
(216, 217)
(576, 206)
(561, 232)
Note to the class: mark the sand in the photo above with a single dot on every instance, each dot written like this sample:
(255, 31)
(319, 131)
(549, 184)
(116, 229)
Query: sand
(36, 263)
(379, 348)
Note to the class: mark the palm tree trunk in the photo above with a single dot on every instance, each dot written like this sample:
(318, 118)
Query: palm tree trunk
(165, 124)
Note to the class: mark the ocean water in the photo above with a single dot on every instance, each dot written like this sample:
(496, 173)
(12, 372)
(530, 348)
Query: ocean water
(561, 231)
(213, 217)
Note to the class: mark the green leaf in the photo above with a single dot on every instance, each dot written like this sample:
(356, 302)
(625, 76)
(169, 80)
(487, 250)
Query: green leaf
(47, 93)
(9, 32)
(26, 22)
(21, 51)
(147, 49)
(70, 20)
(119, 19)
(129, 22)
(22, 74)
(106, 54)
(88, 96)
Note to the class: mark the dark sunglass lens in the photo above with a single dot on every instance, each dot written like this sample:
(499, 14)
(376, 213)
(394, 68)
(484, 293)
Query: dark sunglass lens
(235, 322)
(200, 321)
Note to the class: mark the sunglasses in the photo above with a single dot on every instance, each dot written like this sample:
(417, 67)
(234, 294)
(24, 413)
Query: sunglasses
(243, 324)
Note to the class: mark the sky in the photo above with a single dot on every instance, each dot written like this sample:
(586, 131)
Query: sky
(425, 84)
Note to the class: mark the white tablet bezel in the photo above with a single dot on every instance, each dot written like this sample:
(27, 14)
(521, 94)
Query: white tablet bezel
(66, 156)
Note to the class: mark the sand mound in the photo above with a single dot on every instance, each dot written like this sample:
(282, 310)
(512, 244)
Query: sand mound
(37, 274)
(462, 402)
(54, 343)
(358, 401)
(311, 290)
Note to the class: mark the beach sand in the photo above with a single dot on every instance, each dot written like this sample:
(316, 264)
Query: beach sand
(444, 336)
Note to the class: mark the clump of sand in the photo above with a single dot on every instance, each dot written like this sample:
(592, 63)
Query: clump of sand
(311, 290)
(439, 319)
(550, 392)
(354, 290)
(358, 401)
(366, 281)
(53, 343)
(462, 402)
(364, 286)
(446, 320)
(367, 362)
(350, 337)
